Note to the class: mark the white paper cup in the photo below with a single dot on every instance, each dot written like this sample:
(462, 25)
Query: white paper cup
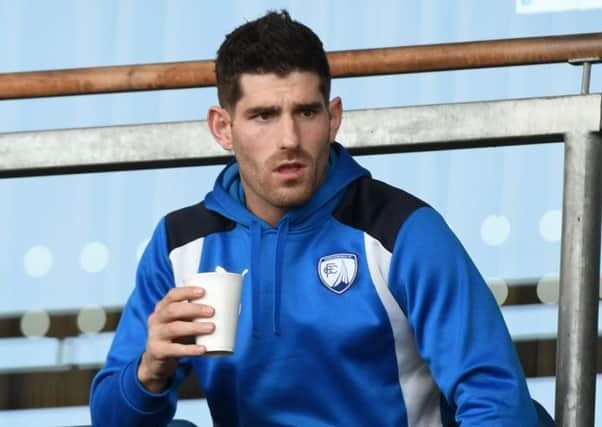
(222, 292)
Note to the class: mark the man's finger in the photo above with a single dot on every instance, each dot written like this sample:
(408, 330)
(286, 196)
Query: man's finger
(171, 350)
(179, 329)
(183, 311)
(184, 293)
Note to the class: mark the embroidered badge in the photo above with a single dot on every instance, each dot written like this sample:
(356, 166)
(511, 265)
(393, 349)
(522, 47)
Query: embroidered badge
(337, 272)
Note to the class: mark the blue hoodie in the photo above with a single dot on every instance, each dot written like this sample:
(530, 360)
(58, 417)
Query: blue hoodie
(361, 308)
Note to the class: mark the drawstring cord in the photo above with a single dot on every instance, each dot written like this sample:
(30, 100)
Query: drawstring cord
(280, 241)
(255, 275)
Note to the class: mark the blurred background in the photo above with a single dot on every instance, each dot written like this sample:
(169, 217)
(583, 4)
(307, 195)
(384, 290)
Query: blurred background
(69, 244)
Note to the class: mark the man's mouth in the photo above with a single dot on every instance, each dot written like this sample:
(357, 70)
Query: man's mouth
(290, 170)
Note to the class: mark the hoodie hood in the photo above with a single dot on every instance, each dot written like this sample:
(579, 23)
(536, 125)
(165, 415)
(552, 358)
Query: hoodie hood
(227, 199)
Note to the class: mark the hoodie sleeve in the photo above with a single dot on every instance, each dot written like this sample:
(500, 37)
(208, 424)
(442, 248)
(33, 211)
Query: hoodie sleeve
(458, 326)
(117, 398)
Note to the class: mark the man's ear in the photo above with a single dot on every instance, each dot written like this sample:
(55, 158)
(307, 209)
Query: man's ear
(219, 121)
(335, 110)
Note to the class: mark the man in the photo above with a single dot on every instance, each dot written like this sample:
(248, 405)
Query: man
(360, 308)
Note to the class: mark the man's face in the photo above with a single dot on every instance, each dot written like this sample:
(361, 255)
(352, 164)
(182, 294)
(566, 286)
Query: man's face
(281, 130)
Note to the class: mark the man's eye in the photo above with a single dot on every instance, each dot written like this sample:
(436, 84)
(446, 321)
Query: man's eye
(263, 116)
(308, 113)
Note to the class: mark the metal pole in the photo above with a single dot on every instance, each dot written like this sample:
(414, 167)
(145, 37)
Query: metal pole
(579, 281)
(587, 72)
(351, 63)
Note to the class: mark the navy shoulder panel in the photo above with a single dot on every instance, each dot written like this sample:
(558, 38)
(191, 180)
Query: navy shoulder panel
(193, 222)
(377, 209)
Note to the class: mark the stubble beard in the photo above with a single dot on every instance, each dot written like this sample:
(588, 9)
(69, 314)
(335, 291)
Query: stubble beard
(295, 192)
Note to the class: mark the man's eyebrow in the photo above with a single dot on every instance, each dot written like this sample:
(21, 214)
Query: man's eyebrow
(315, 106)
(271, 109)
(261, 109)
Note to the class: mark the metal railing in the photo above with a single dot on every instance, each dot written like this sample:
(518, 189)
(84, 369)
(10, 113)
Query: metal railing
(575, 120)
(368, 62)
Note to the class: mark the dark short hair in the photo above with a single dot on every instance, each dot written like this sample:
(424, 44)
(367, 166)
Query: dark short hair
(273, 43)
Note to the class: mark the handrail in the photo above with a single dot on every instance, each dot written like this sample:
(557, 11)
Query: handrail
(351, 63)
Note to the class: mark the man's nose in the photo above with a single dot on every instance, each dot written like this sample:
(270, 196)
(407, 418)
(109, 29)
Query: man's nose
(289, 132)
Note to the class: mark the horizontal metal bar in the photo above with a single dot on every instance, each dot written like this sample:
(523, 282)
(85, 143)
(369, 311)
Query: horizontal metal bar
(466, 55)
(125, 78)
(478, 124)
(367, 62)
(471, 124)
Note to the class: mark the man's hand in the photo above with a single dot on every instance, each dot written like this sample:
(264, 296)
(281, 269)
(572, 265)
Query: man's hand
(171, 335)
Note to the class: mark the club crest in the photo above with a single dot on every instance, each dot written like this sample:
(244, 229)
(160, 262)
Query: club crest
(337, 272)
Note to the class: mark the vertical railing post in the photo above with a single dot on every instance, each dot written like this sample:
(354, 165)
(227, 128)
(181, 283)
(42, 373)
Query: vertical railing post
(579, 281)
(586, 77)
